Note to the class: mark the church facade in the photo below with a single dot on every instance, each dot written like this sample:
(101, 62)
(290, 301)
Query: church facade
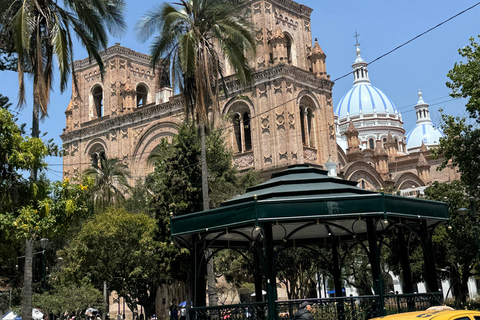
(286, 117)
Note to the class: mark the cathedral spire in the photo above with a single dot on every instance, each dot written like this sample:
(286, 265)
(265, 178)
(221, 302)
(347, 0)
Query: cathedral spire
(421, 109)
(360, 72)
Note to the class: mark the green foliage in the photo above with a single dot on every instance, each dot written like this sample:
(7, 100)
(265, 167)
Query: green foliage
(296, 269)
(110, 182)
(455, 245)
(457, 147)
(465, 78)
(118, 247)
(69, 300)
(176, 180)
(194, 36)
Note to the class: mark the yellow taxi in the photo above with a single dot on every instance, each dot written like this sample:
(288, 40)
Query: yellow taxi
(435, 313)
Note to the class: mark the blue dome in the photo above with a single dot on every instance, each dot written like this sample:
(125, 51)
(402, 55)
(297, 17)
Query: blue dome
(426, 133)
(364, 98)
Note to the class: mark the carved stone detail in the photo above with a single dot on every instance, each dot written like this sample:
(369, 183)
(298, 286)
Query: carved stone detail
(137, 133)
(294, 155)
(75, 170)
(283, 156)
(244, 160)
(124, 133)
(331, 131)
(265, 124)
(113, 135)
(280, 119)
(122, 64)
(291, 120)
(113, 64)
(125, 159)
(113, 89)
(309, 154)
(267, 159)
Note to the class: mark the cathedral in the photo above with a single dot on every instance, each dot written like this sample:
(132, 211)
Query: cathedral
(286, 117)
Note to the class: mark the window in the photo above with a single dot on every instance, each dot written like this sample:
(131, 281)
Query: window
(396, 144)
(242, 131)
(371, 143)
(142, 93)
(97, 94)
(307, 126)
(97, 157)
(384, 142)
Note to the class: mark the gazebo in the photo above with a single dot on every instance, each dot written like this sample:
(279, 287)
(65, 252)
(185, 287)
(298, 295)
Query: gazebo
(304, 206)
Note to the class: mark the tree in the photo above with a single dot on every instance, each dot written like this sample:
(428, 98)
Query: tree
(119, 247)
(456, 252)
(465, 77)
(177, 179)
(193, 36)
(110, 182)
(41, 30)
(65, 301)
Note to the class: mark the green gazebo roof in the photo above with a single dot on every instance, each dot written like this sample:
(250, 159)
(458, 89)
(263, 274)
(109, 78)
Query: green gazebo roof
(301, 194)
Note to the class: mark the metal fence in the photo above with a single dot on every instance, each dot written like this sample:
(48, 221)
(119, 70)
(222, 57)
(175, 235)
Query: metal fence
(343, 308)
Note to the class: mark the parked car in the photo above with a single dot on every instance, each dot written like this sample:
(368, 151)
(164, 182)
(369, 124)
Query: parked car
(438, 313)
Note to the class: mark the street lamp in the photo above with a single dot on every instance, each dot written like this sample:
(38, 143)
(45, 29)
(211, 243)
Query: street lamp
(43, 243)
(472, 210)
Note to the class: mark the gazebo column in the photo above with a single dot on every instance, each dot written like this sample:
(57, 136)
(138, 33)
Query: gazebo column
(374, 257)
(199, 284)
(430, 270)
(337, 277)
(270, 272)
(257, 274)
(405, 263)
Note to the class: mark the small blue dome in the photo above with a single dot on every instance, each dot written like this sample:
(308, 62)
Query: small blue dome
(426, 133)
(366, 99)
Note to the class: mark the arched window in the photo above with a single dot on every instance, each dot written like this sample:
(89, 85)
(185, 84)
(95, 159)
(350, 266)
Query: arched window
(371, 143)
(97, 94)
(142, 93)
(384, 142)
(396, 144)
(242, 131)
(97, 156)
(307, 126)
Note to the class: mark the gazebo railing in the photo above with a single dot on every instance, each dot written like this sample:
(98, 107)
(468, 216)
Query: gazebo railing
(398, 303)
(244, 311)
(342, 308)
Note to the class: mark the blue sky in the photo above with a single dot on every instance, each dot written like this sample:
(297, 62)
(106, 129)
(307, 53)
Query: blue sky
(382, 25)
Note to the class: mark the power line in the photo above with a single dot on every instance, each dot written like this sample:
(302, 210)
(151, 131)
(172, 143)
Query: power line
(373, 61)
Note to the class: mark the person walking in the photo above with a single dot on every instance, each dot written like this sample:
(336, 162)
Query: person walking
(303, 312)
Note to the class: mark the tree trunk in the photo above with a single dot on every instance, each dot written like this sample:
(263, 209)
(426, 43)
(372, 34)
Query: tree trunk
(212, 292)
(203, 155)
(27, 282)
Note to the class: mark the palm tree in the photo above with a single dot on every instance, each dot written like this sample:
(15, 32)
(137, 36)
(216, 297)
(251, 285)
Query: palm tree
(37, 31)
(194, 37)
(110, 182)
(40, 30)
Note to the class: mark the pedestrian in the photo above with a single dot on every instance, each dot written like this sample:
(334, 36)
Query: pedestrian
(303, 312)
(183, 313)
(175, 313)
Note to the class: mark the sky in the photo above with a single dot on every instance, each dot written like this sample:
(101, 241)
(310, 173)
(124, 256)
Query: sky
(382, 25)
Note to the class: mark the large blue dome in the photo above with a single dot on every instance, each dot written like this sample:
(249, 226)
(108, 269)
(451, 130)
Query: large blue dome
(366, 99)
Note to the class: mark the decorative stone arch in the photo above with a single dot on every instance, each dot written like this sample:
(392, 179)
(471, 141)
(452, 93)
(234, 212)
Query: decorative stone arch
(240, 112)
(142, 94)
(95, 150)
(148, 142)
(356, 171)
(342, 158)
(96, 99)
(291, 49)
(407, 180)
